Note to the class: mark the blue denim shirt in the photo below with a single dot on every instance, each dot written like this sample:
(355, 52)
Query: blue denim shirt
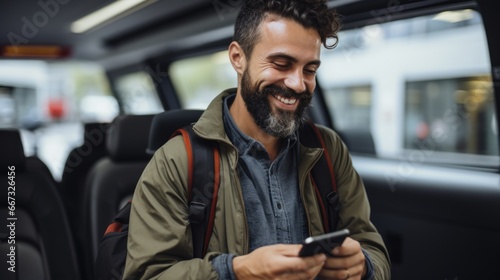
(272, 198)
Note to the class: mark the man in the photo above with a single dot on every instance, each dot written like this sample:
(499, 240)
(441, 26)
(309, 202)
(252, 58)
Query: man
(266, 203)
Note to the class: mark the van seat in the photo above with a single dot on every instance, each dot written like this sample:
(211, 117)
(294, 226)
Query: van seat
(112, 179)
(44, 248)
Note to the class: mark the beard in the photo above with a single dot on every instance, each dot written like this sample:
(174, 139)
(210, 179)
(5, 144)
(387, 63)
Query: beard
(275, 122)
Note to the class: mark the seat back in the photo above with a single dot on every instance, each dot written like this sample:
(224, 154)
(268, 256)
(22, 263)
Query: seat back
(76, 169)
(166, 123)
(79, 162)
(358, 141)
(112, 180)
(36, 220)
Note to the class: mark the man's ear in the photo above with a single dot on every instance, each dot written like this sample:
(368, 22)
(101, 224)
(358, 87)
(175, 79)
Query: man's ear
(237, 57)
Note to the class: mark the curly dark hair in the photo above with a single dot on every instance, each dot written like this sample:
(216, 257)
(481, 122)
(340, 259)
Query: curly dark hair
(309, 13)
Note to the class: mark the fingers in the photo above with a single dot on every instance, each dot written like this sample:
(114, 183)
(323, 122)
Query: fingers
(345, 256)
(304, 269)
(307, 268)
(277, 262)
(351, 273)
(307, 264)
(300, 263)
(348, 248)
(290, 250)
(314, 261)
(348, 262)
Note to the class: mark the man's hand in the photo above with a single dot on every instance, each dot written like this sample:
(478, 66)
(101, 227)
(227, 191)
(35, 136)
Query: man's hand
(348, 263)
(277, 262)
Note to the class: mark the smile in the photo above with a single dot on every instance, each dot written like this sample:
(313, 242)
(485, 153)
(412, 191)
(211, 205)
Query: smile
(287, 101)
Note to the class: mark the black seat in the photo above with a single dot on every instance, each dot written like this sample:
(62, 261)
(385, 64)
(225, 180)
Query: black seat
(112, 179)
(358, 141)
(36, 164)
(74, 176)
(131, 142)
(44, 247)
(79, 162)
(166, 123)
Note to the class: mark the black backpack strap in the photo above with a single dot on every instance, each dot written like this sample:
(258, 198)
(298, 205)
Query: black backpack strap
(203, 186)
(112, 253)
(120, 220)
(325, 186)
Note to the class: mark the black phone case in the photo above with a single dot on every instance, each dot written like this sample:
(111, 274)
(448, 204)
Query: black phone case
(323, 243)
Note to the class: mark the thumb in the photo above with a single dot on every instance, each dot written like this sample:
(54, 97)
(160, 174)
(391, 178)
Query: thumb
(290, 250)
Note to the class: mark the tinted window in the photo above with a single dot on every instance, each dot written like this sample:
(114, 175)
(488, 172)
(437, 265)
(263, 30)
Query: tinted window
(419, 80)
(199, 79)
(138, 94)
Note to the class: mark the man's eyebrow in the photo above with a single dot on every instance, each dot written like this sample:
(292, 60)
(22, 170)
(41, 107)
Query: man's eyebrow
(292, 59)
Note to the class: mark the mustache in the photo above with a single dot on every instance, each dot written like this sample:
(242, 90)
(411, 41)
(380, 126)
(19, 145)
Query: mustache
(285, 92)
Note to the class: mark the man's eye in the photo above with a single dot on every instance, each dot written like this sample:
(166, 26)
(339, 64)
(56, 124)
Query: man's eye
(281, 65)
(310, 71)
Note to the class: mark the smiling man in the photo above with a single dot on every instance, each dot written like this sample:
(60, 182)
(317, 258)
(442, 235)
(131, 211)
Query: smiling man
(266, 203)
(276, 80)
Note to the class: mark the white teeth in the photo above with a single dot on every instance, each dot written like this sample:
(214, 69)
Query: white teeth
(286, 100)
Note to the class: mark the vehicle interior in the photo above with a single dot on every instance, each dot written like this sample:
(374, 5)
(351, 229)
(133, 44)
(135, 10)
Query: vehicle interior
(413, 89)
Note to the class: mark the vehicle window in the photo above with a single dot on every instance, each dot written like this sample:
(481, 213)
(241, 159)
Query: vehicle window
(138, 94)
(353, 104)
(467, 123)
(16, 105)
(49, 102)
(416, 84)
(199, 79)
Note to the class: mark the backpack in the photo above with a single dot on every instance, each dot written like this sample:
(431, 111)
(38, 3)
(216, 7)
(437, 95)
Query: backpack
(204, 155)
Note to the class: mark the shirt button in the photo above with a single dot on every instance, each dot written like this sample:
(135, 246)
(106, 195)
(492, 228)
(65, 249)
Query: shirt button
(279, 205)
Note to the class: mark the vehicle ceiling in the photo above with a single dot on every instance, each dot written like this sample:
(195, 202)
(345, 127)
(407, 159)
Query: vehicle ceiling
(162, 26)
(136, 35)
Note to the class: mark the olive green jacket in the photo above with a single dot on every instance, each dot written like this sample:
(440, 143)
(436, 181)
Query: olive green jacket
(160, 242)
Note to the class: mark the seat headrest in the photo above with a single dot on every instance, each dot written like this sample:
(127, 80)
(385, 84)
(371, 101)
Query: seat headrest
(127, 137)
(166, 123)
(96, 133)
(11, 149)
(92, 128)
(358, 141)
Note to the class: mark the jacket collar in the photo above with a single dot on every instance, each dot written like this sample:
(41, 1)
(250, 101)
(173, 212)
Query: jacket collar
(211, 124)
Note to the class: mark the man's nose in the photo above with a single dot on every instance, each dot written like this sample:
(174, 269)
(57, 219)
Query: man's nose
(295, 81)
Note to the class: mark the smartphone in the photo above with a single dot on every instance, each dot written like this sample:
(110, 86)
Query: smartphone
(323, 243)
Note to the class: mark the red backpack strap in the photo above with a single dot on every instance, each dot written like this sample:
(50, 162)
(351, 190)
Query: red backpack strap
(325, 186)
(203, 186)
